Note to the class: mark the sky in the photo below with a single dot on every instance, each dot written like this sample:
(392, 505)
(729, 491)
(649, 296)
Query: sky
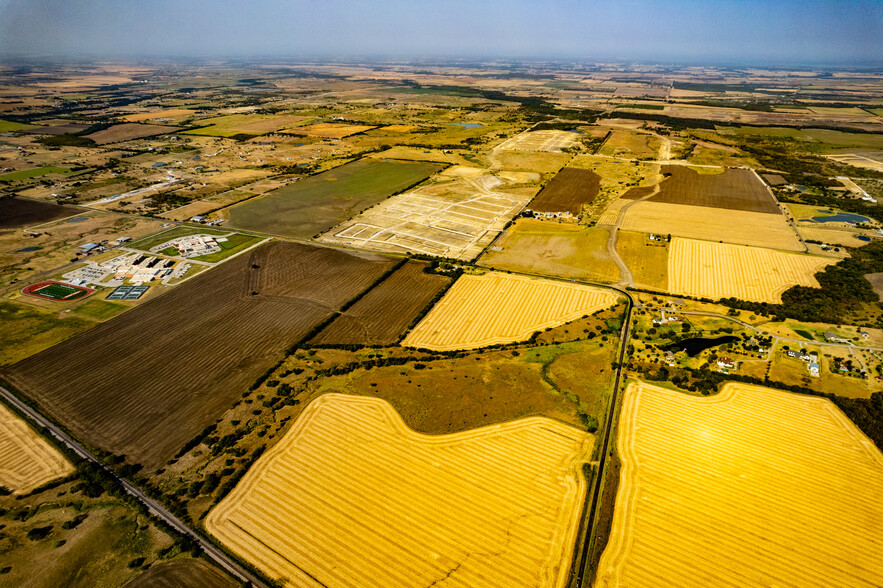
(769, 32)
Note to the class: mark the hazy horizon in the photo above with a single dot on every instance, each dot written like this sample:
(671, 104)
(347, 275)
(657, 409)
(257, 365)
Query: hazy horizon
(721, 32)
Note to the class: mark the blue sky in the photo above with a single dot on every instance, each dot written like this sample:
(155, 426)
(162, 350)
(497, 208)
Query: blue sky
(768, 32)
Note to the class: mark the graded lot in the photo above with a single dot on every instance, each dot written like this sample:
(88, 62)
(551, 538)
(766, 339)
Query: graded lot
(775, 488)
(404, 508)
(500, 308)
(26, 459)
(145, 382)
(705, 269)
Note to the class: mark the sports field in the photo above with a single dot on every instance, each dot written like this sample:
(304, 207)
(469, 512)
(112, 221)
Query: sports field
(317, 203)
(52, 290)
(501, 308)
(26, 459)
(752, 487)
(720, 270)
(352, 497)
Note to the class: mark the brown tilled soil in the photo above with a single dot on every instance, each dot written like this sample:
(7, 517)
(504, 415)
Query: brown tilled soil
(146, 382)
(568, 191)
(638, 193)
(735, 189)
(383, 315)
(183, 573)
(18, 212)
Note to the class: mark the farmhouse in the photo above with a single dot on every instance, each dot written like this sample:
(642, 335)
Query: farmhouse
(725, 363)
(814, 369)
(834, 337)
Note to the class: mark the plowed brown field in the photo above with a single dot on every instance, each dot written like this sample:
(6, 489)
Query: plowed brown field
(734, 189)
(353, 497)
(501, 308)
(753, 487)
(26, 459)
(568, 191)
(145, 382)
(720, 270)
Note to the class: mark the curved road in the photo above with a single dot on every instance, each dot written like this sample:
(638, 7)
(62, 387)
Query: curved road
(155, 508)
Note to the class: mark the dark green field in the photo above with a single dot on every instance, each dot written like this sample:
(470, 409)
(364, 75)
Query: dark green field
(315, 204)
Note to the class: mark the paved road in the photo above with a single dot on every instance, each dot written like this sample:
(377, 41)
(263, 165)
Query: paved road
(154, 507)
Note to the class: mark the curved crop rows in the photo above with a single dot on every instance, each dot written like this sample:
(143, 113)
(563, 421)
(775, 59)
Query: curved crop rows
(26, 459)
(753, 487)
(721, 270)
(351, 496)
(501, 308)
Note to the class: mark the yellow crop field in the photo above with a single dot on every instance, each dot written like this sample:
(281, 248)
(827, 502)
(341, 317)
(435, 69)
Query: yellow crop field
(752, 487)
(611, 213)
(26, 459)
(714, 224)
(351, 496)
(501, 308)
(705, 269)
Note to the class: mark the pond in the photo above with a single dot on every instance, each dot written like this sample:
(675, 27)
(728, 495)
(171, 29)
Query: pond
(695, 345)
(842, 217)
(28, 249)
(464, 125)
(78, 219)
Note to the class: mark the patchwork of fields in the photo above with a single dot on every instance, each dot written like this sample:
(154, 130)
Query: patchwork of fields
(496, 506)
(26, 459)
(502, 308)
(147, 381)
(719, 270)
(772, 488)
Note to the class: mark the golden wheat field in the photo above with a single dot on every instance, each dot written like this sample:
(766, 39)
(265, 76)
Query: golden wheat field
(719, 270)
(714, 224)
(26, 459)
(352, 497)
(752, 487)
(500, 308)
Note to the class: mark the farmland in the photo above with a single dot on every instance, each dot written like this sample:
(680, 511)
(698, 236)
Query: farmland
(553, 249)
(145, 382)
(330, 130)
(387, 310)
(183, 573)
(403, 508)
(128, 132)
(244, 124)
(21, 212)
(734, 189)
(713, 224)
(568, 191)
(26, 459)
(33, 173)
(315, 204)
(719, 270)
(156, 114)
(771, 486)
(501, 308)
(646, 259)
(551, 141)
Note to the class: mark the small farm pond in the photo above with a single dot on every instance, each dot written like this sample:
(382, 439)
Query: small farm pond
(28, 249)
(695, 345)
(842, 217)
(464, 125)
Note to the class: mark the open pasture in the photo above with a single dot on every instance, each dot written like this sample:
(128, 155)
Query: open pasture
(553, 249)
(631, 144)
(26, 459)
(714, 224)
(330, 130)
(244, 124)
(495, 506)
(156, 114)
(734, 189)
(772, 488)
(872, 160)
(706, 269)
(315, 204)
(129, 132)
(550, 140)
(458, 220)
(830, 236)
(386, 311)
(146, 381)
(567, 192)
(21, 212)
(646, 259)
(501, 308)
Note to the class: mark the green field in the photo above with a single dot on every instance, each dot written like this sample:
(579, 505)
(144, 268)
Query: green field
(60, 292)
(234, 244)
(317, 203)
(99, 309)
(643, 106)
(802, 211)
(876, 111)
(7, 126)
(821, 137)
(33, 173)
(28, 330)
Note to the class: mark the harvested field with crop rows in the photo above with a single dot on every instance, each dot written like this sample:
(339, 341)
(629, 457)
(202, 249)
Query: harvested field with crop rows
(720, 270)
(26, 459)
(20, 212)
(568, 191)
(386, 311)
(753, 487)
(502, 308)
(549, 140)
(714, 224)
(147, 381)
(352, 496)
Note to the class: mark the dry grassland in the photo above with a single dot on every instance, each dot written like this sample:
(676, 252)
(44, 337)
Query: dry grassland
(647, 260)
(552, 141)
(501, 308)
(623, 143)
(611, 213)
(719, 270)
(330, 130)
(352, 496)
(830, 236)
(714, 224)
(129, 132)
(26, 459)
(753, 487)
(860, 160)
(142, 116)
